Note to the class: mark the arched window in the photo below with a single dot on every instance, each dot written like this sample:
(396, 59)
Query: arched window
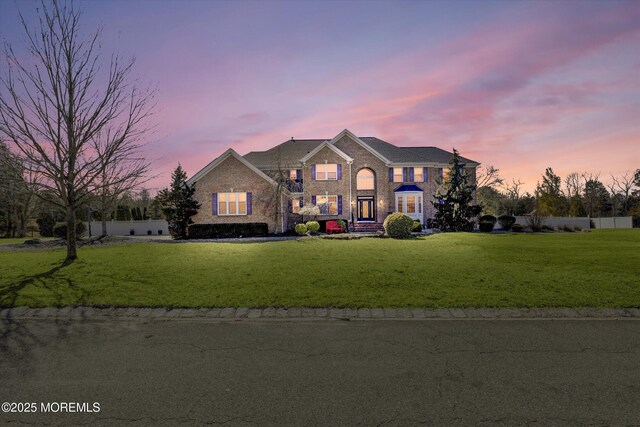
(366, 180)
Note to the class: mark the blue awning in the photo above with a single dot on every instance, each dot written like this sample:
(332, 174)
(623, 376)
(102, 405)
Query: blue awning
(407, 188)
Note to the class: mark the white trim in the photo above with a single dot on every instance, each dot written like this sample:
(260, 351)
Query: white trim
(364, 145)
(327, 195)
(419, 201)
(237, 203)
(224, 156)
(326, 172)
(320, 147)
(418, 164)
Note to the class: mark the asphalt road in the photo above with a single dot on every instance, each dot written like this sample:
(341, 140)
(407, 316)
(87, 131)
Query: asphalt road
(375, 372)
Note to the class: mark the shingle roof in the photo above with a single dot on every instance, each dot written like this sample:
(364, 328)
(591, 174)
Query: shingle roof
(435, 154)
(289, 153)
(411, 154)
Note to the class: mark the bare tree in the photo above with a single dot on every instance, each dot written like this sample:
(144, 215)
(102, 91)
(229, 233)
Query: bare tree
(119, 174)
(55, 105)
(488, 177)
(513, 193)
(282, 189)
(624, 186)
(573, 185)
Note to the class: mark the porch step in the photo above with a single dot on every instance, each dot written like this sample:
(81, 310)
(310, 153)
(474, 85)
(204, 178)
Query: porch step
(367, 227)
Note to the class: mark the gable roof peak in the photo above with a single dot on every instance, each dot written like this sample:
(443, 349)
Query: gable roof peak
(221, 158)
(359, 141)
(329, 145)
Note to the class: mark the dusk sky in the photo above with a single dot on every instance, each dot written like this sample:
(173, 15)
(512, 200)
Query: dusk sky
(518, 85)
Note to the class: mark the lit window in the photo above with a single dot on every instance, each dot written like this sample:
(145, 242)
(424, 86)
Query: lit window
(411, 204)
(295, 205)
(365, 180)
(232, 203)
(327, 171)
(397, 175)
(417, 175)
(328, 204)
(293, 175)
(399, 205)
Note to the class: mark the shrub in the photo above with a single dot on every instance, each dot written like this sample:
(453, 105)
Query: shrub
(547, 228)
(159, 232)
(486, 226)
(577, 228)
(518, 228)
(535, 222)
(566, 228)
(60, 229)
(342, 223)
(506, 221)
(301, 229)
(417, 227)
(149, 232)
(226, 230)
(309, 210)
(132, 232)
(398, 225)
(46, 222)
(488, 218)
(313, 226)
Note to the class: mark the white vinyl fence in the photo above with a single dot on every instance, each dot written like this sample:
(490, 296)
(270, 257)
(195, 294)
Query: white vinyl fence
(582, 222)
(615, 222)
(123, 228)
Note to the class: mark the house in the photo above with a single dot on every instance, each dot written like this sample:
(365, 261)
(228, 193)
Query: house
(358, 179)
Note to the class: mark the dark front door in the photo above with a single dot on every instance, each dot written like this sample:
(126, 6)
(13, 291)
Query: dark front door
(366, 209)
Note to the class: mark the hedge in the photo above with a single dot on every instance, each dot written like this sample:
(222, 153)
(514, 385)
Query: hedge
(228, 230)
(506, 221)
(486, 226)
(60, 229)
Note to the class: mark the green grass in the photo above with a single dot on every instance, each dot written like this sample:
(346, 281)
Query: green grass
(600, 268)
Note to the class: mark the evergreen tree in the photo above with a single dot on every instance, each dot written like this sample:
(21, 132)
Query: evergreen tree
(549, 195)
(596, 198)
(454, 211)
(178, 204)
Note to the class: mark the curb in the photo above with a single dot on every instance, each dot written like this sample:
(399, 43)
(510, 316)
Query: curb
(310, 313)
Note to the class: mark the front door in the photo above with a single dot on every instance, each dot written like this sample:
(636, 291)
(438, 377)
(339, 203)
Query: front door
(366, 209)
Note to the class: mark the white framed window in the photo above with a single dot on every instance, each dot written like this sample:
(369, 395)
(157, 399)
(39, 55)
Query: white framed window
(326, 171)
(417, 175)
(328, 204)
(410, 204)
(365, 180)
(232, 203)
(293, 175)
(398, 175)
(296, 204)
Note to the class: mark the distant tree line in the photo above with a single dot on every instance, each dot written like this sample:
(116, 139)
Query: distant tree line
(579, 194)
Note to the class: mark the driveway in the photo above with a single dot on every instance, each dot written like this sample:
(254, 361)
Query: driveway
(323, 372)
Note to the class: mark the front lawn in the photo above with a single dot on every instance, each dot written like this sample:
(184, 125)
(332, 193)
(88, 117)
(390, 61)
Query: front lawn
(600, 268)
